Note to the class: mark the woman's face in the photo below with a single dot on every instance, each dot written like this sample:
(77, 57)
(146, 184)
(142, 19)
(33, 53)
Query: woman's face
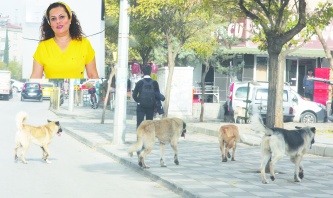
(59, 21)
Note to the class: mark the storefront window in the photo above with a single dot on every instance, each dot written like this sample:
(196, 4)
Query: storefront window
(261, 71)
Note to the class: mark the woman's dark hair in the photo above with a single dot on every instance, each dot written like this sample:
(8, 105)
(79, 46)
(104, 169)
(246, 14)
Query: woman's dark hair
(75, 29)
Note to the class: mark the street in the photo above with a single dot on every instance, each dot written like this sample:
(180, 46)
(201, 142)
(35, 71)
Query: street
(76, 170)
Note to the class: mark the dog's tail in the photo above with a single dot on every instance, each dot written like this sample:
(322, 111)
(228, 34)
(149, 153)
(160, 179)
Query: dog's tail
(137, 146)
(20, 119)
(258, 125)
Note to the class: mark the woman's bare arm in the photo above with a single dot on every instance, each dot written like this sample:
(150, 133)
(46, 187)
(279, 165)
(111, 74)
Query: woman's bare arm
(37, 70)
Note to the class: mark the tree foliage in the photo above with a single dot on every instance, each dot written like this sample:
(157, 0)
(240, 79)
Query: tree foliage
(272, 17)
(176, 21)
(6, 50)
(14, 67)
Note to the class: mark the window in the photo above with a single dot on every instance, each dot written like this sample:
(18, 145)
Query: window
(241, 92)
(262, 94)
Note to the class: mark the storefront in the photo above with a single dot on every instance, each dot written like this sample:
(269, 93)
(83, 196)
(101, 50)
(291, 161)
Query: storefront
(256, 63)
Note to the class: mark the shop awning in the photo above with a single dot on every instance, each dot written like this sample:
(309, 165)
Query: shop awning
(300, 53)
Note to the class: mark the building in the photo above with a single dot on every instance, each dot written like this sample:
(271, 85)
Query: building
(14, 38)
(311, 55)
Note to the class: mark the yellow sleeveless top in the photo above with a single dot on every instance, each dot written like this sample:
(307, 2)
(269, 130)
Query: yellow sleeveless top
(64, 64)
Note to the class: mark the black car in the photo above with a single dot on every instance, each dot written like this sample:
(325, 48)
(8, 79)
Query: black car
(32, 90)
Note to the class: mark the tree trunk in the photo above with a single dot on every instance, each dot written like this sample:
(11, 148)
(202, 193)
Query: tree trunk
(275, 92)
(113, 72)
(171, 66)
(328, 56)
(203, 90)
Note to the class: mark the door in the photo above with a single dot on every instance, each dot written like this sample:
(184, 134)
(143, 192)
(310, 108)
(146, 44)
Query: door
(304, 65)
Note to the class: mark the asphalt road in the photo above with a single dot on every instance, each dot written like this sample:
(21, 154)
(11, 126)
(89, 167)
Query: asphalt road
(75, 171)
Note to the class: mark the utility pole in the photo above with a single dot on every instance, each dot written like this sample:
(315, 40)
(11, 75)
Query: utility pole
(119, 123)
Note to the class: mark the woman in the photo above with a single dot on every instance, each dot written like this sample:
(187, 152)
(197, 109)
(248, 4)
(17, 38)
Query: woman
(63, 51)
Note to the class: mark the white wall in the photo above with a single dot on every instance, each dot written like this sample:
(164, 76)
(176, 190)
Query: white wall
(180, 104)
(89, 15)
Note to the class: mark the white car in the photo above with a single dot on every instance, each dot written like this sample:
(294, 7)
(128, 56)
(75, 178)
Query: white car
(308, 111)
(16, 85)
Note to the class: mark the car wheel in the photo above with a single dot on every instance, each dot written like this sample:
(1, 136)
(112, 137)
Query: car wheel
(308, 117)
(41, 99)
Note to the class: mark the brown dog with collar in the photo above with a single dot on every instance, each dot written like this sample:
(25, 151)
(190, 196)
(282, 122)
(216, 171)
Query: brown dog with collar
(228, 136)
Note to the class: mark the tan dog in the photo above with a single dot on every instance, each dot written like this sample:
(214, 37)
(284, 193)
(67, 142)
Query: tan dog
(41, 136)
(239, 113)
(228, 137)
(166, 130)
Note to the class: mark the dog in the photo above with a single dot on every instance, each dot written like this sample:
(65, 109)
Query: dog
(41, 136)
(166, 130)
(228, 136)
(239, 113)
(278, 142)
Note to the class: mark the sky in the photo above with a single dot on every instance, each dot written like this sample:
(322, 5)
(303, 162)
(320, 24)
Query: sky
(13, 8)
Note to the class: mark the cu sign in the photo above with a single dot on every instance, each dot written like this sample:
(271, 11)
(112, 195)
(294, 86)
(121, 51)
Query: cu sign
(236, 30)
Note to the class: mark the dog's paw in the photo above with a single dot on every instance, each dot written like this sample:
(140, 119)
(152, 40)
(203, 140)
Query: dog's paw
(272, 178)
(265, 182)
(297, 179)
(229, 155)
(301, 175)
(225, 160)
(48, 161)
(24, 162)
(176, 162)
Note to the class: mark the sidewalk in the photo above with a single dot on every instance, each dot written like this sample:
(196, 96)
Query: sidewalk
(201, 172)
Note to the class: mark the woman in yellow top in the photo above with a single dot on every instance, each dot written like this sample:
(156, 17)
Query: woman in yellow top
(63, 51)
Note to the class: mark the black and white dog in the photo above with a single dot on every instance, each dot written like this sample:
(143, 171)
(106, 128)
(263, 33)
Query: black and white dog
(278, 142)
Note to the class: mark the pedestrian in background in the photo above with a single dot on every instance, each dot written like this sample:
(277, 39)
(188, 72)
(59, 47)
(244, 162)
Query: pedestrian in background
(63, 52)
(308, 85)
(144, 96)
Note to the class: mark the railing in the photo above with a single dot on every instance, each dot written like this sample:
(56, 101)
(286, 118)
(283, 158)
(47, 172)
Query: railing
(209, 90)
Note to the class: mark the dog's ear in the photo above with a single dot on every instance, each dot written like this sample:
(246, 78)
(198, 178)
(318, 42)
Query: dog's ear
(297, 127)
(57, 123)
(49, 121)
(313, 129)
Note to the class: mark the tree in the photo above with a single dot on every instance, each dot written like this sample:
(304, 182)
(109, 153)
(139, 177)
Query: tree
(272, 17)
(209, 49)
(144, 37)
(6, 50)
(176, 21)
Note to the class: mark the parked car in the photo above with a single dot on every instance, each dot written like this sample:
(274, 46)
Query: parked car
(47, 88)
(259, 98)
(308, 111)
(16, 85)
(32, 90)
(253, 96)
